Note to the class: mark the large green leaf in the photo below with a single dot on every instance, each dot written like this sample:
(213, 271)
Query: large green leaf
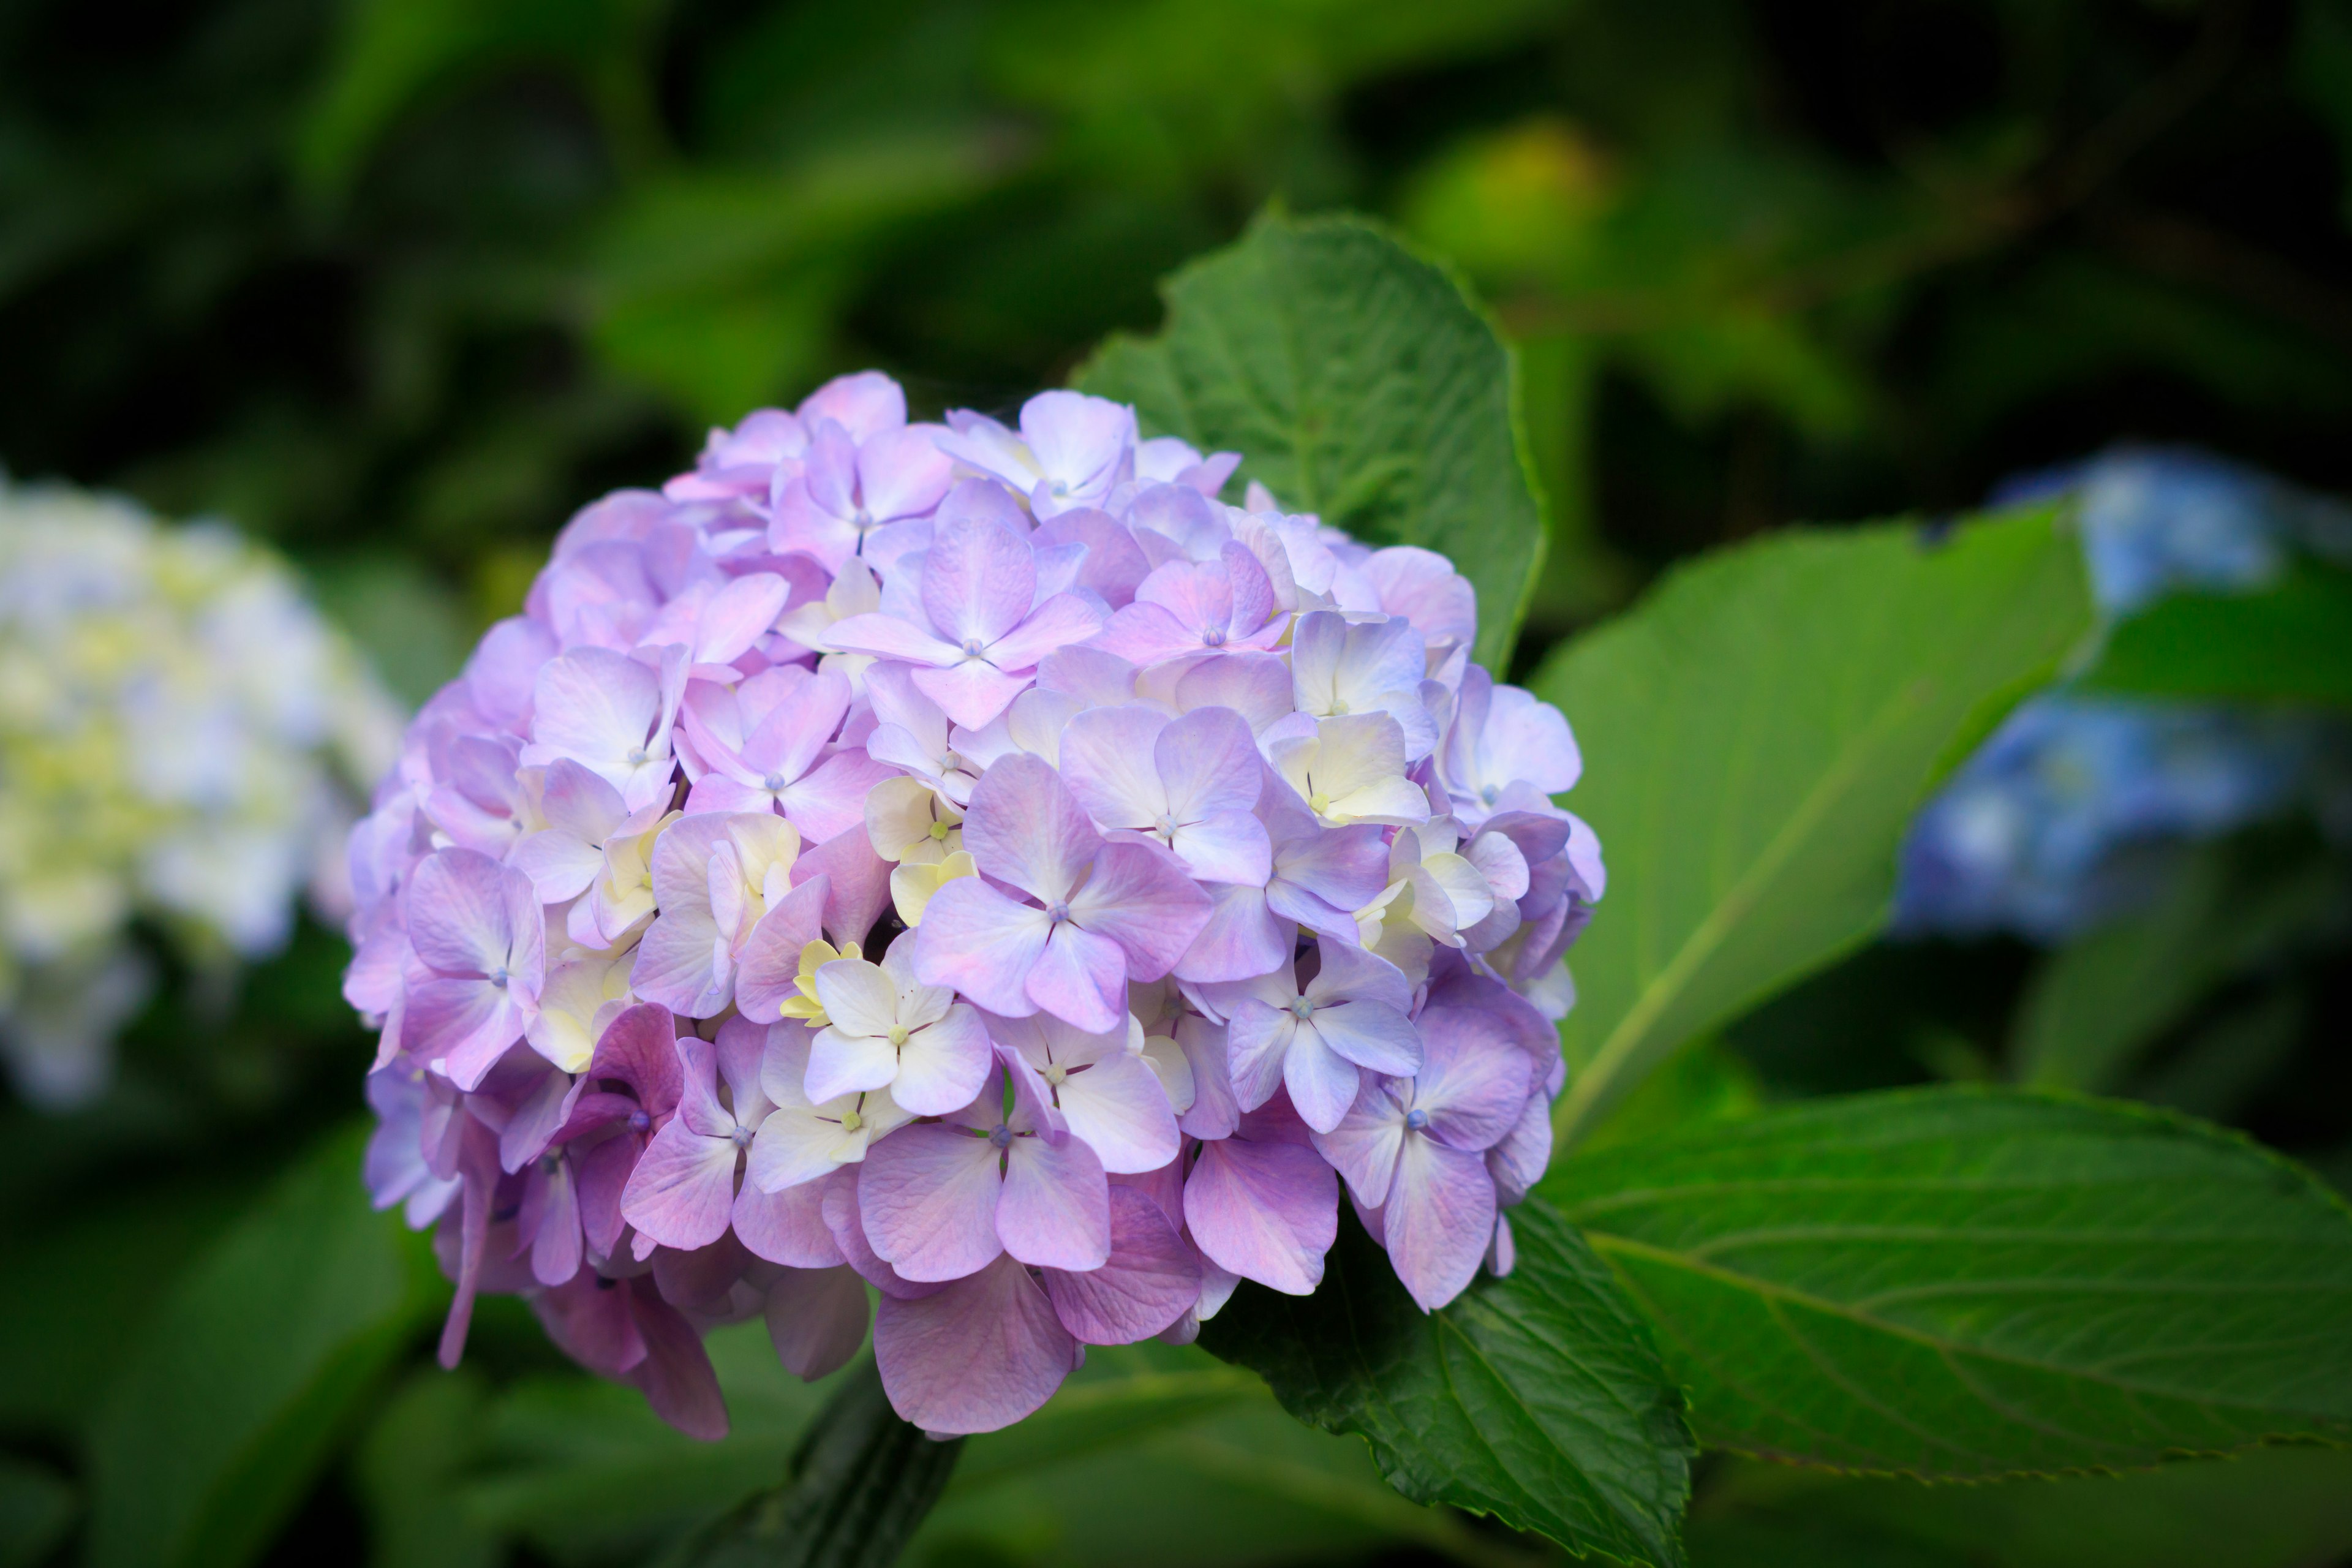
(252, 1364)
(1358, 383)
(1964, 1284)
(2290, 643)
(1756, 734)
(1538, 1398)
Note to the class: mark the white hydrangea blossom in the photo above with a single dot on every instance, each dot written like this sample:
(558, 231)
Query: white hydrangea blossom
(178, 732)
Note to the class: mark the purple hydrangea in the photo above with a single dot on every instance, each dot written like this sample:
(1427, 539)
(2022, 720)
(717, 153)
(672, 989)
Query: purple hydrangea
(974, 862)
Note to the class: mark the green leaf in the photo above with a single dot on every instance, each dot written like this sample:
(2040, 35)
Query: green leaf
(250, 1368)
(1359, 381)
(2292, 643)
(419, 1445)
(1963, 1284)
(858, 1487)
(1756, 734)
(2268, 1508)
(1537, 1398)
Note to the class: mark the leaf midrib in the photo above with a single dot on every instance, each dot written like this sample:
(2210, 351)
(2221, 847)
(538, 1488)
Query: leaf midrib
(1581, 1106)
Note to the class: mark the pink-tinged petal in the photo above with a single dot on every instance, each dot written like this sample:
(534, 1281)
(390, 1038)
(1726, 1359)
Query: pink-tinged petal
(1364, 1147)
(718, 794)
(975, 940)
(1209, 764)
(1140, 897)
(977, 1356)
(675, 1376)
(1423, 586)
(888, 636)
(1346, 868)
(942, 1066)
(679, 964)
(1214, 1113)
(1113, 565)
(1438, 1220)
(1252, 591)
(1253, 685)
(1062, 621)
(1257, 1038)
(1078, 440)
(500, 674)
(459, 913)
(927, 1194)
(1267, 1212)
(1054, 1211)
(683, 1190)
(1150, 1279)
(560, 866)
(979, 580)
(465, 1025)
(786, 1226)
(701, 1281)
(972, 693)
(1107, 763)
(797, 727)
(1077, 976)
(865, 404)
(589, 1320)
(1474, 1079)
(903, 473)
(639, 1047)
(843, 1064)
(1119, 1108)
(577, 802)
(603, 1176)
(1025, 828)
(831, 802)
(859, 882)
(1372, 1034)
(595, 707)
(1231, 847)
(477, 1163)
(817, 1319)
(1321, 1082)
(842, 1218)
(802, 522)
(1145, 634)
(1242, 939)
(1198, 596)
(541, 1114)
(737, 615)
(769, 972)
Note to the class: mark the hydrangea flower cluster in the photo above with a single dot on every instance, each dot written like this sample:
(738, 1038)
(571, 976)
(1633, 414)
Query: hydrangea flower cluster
(2079, 805)
(182, 737)
(970, 861)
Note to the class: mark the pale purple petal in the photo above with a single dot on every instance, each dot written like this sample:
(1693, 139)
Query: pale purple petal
(1363, 1146)
(1372, 1034)
(1119, 1108)
(1438, 1220)
(1141, 898)
(1108, 764)
(787, 1226)
(1243, 938)
(976, 1356)
(1321, 1082)
(979, 580)
(1025, 828)
(1055, 1209)
(459, 913)
(973, 692)
(1258, 1038)
(1150, 1279)
(1078, 977)
(927, 1196)
(683, 1190)
(980, 943)
(817, 1319)
(1060, 622)
(865, 404)
(942, 1066)
(1267, 1212)
(1474, 1079)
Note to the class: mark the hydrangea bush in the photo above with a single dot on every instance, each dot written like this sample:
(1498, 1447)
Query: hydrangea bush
(182, 740)
(2079, 806)
(969, 861)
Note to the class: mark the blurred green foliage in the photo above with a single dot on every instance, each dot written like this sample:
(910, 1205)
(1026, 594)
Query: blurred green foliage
(398, 283)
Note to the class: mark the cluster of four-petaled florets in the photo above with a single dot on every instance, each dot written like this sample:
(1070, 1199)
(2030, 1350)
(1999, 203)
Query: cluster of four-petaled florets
(1227, 881)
